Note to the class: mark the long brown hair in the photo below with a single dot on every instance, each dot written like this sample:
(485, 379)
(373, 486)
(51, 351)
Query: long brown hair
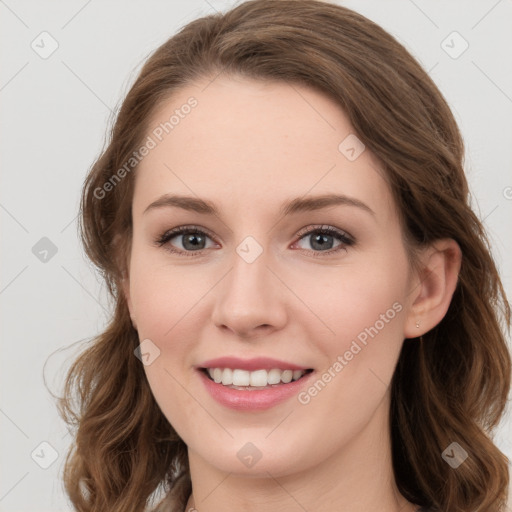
(450, 386)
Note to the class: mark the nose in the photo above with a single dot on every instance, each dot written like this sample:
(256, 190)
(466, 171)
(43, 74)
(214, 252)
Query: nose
(250, 300)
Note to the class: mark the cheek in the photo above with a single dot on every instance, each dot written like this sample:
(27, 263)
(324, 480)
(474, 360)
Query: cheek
(163, 295)
(348, 301)
(364, 307)
(166, 303)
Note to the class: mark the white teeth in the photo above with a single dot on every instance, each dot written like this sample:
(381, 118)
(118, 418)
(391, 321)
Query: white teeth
(217, 375)
(287, 376)
(274, 376)
(241, 378)
(257, 378)
(227, 377)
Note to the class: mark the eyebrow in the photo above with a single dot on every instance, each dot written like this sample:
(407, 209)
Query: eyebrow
(297, 205)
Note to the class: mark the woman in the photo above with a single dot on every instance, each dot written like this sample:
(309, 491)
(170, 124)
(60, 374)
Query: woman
(307, 312)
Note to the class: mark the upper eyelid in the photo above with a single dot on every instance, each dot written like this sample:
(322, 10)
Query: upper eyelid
(323, 227)
(181, 230)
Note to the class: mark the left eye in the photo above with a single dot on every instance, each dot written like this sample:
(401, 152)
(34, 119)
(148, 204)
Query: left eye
(323, 239)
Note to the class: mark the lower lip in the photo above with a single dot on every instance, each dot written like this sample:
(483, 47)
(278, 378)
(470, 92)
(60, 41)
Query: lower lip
(245, 400)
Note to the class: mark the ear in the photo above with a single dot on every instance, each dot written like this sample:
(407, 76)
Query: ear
(433, 287)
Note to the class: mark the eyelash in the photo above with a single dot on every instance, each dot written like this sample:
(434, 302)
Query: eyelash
(343, 237)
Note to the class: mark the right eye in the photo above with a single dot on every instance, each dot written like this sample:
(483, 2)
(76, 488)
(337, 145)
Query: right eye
(191, 239)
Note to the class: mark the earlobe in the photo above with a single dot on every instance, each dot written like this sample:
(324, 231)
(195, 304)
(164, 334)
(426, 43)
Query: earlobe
(434, 287)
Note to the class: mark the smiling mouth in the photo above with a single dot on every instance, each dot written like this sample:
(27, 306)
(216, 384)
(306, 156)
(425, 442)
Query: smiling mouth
(253, 380)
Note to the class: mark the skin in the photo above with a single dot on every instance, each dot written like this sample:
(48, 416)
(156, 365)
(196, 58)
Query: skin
(248, 147)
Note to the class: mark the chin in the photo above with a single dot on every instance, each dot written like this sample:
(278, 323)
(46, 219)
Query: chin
(256, 458)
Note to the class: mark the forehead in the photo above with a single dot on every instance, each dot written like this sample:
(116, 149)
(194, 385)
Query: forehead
(255, 142)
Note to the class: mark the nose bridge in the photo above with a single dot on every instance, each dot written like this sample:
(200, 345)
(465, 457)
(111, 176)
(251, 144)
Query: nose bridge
(249, 282)
(249, 296)
(249, 268)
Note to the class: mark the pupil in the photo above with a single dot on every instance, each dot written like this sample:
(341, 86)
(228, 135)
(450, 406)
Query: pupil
(321, 241)
(194, 241)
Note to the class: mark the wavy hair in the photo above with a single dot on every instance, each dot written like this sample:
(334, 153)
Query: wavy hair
(449, 386)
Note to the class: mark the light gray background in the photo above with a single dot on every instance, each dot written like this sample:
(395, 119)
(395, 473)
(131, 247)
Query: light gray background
(55, 113)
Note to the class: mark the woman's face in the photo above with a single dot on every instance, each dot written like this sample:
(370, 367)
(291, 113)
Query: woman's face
(259, 282)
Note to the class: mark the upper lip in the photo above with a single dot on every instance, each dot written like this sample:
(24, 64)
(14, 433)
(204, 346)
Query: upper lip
(257, 363)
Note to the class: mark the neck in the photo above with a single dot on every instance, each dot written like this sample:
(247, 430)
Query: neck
(356, 478)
